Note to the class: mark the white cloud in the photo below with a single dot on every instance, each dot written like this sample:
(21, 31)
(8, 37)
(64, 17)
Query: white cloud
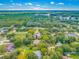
(38, 5)
(1, 4)
(30, 4)
(61, 3)
(17, 4)
(52, 2)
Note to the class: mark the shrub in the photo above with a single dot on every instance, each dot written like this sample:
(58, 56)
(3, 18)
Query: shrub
(43, 50)
(27, 42)
(46, 57)
(2, 49)
(17, 43)
(31, 56)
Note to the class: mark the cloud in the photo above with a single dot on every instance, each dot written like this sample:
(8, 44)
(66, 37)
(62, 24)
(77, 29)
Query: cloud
(61, 3)
(52, 2)
(19, 4)
(16, 4)
(29, 4)
(38, 5)
(1, 4)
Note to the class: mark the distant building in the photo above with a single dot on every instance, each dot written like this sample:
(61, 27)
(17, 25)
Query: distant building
(64, 17)
(73, 18)
(4, 30)
(42, 14)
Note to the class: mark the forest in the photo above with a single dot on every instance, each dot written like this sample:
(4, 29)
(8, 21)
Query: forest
(39, 35)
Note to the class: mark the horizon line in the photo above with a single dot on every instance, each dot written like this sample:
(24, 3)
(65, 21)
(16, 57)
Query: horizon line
(39, 9)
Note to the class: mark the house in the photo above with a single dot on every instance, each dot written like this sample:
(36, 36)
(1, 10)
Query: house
(8, 45)
(73, 18)
(23, 27)
(64, 17)
(72, 35)
(4, 30)
(38, 54)
(37, 34)
(3, 42)
(14, 27)
(36, 42)
(69, 53)
(59, 44)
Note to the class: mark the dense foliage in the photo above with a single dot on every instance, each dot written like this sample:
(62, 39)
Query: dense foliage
(39, 35)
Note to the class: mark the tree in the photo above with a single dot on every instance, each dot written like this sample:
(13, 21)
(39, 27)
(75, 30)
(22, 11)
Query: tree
(56, 55)
(27, 41)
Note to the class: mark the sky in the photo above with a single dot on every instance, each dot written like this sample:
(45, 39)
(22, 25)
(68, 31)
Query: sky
(39, 4)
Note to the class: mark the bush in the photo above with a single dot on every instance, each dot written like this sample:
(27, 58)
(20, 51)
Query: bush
(43, 50)
(66, 48)
(46, 57)
(42, 45)
(2, 49)
(17, 43)
(10, 56)
(31, 56)
(56, 55)
(27, 42)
